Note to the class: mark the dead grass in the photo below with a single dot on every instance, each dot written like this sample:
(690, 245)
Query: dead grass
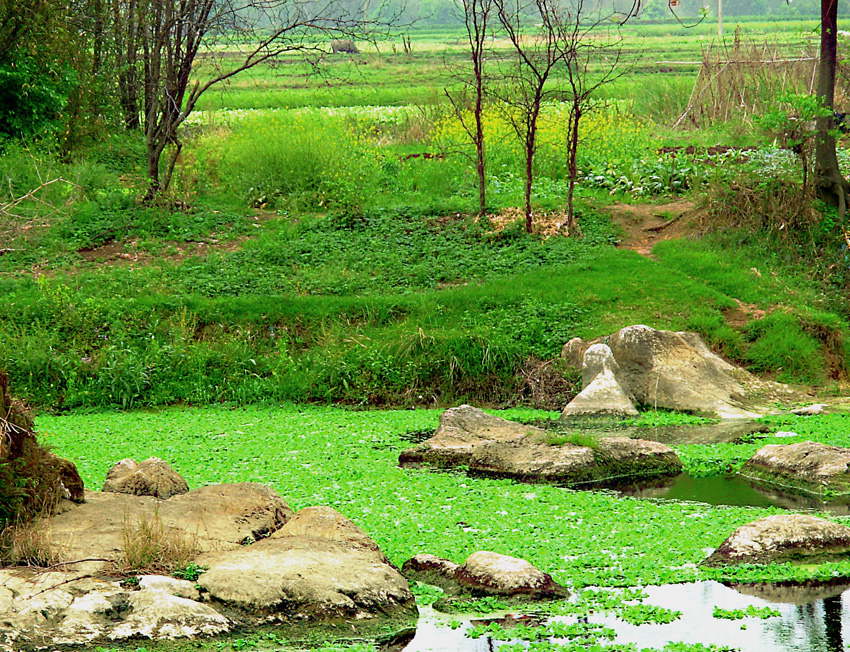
(740, 77)
(783, 209)
(28, 544)
(149, 546)
(546, 223)
(548, 384)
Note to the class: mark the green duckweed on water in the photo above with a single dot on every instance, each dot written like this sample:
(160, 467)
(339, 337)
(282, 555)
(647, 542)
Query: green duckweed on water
(348, 460)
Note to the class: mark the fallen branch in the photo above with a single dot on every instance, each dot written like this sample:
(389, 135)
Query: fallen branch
(661, 227)
(6, 209)
(76, 561)
(56, 586)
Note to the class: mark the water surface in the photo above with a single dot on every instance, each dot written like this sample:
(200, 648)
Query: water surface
(813, 618)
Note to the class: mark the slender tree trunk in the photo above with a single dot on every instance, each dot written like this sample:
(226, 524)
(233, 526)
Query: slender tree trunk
(830, 186)
(98, 34)
(126, 23)
(479, 144)
(154, 183)
(530, 149)
(529, 181)
(572, 166)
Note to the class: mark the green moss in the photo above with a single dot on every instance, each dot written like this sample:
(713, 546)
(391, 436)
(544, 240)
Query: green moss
(584, 439)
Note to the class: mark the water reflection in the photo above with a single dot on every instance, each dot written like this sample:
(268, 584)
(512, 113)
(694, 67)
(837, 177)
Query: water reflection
(813, 618)
(729, 490)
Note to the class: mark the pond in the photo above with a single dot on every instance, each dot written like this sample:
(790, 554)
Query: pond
(811, 618)
(730, 490)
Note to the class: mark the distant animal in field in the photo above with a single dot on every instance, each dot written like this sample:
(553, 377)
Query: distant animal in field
(344, 45)
(841, 122)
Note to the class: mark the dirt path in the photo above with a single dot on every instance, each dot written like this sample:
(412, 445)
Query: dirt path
(644, 225)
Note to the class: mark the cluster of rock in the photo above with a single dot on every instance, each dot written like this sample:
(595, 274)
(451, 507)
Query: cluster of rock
(639, 365)
(469, 437)
(264, 564)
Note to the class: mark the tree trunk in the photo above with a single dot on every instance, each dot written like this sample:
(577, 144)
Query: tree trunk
(479, 146)
(530, 148)
(830, 186)
(572, 167)
(154, 185)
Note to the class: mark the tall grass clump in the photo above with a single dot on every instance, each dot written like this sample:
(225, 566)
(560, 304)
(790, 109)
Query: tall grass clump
(302, 160)
(149, 546)
(780, 343)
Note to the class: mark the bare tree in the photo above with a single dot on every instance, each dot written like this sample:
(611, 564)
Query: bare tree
(524, 84)
(231, 36)
(476, 19)
(591, 59)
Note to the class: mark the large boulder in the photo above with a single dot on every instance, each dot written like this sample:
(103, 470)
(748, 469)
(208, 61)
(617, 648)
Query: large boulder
(430, 569)
(602, 394)
(152, 477)
(490, 573)
(326, 523)
(292, 576)
(783, 537)
(806, 466)
(485, 573)
(608, 459)
(471, 438)
(461, 430)
(40, 609)
(215, 517)
(668, 369)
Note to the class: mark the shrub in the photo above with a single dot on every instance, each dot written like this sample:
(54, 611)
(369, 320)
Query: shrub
(781, 344)
(31, 97)
(30, 476)
(304, 160)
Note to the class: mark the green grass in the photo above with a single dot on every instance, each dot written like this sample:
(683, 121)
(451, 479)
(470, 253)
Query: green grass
(387, 308)
(583, 538)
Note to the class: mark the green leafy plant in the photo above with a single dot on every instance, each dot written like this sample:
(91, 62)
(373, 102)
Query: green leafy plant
(191, 572)
(749, 612)
(792, 123)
